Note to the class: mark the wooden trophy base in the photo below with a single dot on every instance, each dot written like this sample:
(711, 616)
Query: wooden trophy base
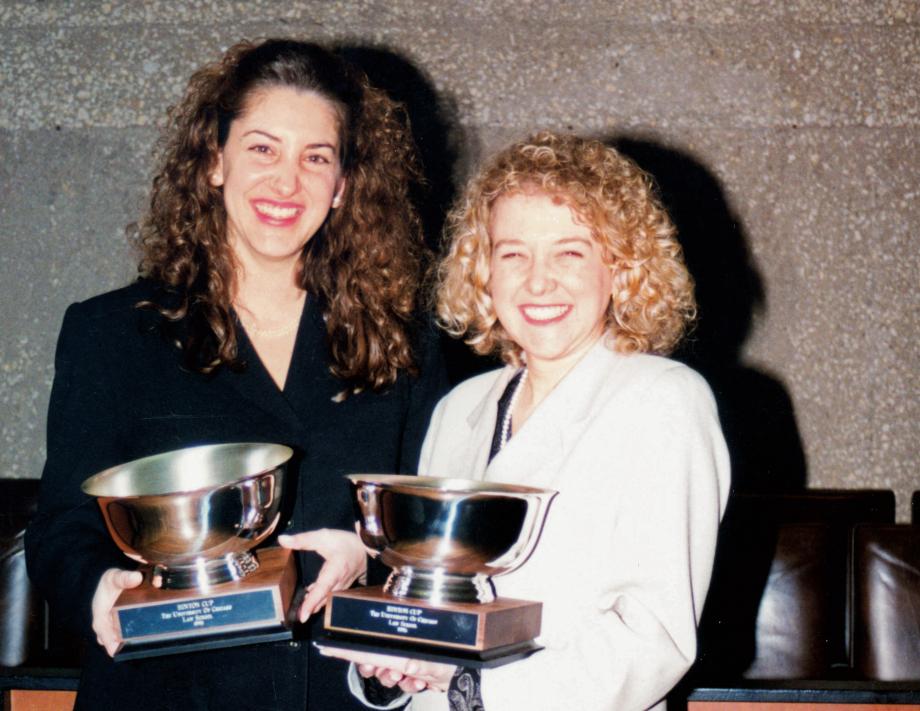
(154, 622)
(470, 634)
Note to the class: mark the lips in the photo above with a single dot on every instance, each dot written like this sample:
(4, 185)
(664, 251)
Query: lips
(277, 213)
(540, 314)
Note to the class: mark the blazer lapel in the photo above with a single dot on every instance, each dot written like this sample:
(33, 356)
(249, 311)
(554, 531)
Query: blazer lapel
(535, 445)
(531, 456)
(471, 455)
(256, 385)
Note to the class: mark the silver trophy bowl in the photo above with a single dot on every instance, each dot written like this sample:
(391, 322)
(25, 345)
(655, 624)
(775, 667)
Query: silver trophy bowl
(445, 538)
(194, 514)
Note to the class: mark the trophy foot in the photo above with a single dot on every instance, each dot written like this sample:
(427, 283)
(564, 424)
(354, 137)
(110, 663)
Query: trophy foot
(203, 573)
(437, 587)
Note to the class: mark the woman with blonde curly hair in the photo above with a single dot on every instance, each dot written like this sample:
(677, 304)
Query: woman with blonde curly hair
(562, 261)
(280, 258)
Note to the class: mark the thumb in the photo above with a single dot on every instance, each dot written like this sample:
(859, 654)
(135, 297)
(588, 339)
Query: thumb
(304, 541)
(127, 578)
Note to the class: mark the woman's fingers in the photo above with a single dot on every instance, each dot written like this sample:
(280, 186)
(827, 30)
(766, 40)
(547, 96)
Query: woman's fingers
(346, 561)
(370, 660)
(412, 686)
(388, 677)
(412, 675)
(327, 581)
(365, 670)
(111, 585)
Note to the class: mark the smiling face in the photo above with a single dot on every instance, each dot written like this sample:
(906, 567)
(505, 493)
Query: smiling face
(280, 173)
(548, 280)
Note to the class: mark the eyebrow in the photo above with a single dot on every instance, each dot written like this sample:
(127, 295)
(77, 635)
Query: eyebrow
(262, 133)
(321, 145)
(276, 139)
(563, 240)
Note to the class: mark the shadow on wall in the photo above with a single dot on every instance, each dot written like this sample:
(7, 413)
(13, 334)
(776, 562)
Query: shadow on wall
(756, 411)
(442, 146)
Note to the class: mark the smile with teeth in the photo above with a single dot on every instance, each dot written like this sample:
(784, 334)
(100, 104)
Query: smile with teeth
(545, 313)
(276, 212)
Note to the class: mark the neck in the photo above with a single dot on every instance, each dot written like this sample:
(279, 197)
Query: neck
(263, 298)
(267, 288)
(544, 376)
(540, 383)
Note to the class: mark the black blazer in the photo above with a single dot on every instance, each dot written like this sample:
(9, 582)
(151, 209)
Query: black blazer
(120, 393)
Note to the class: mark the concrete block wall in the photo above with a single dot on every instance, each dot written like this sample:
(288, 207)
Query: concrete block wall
(784, 134)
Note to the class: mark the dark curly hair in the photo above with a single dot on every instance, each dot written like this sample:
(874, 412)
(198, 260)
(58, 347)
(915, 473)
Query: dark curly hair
(362, 266)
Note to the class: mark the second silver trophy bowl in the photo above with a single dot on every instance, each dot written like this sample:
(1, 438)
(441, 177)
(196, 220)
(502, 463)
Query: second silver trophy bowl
(445, 538)
(194, 514)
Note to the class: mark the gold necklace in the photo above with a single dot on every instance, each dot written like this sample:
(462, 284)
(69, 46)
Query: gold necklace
(253, 330)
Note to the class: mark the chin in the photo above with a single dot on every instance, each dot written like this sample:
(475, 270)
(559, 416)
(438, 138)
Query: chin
(281, 252)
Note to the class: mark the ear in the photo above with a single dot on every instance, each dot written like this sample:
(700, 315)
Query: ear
(216, 176)
(339, 192)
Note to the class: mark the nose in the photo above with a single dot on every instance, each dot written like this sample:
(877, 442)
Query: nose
(286, 178)
(540, 278)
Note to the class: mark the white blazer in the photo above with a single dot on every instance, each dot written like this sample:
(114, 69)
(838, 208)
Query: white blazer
(633, 445)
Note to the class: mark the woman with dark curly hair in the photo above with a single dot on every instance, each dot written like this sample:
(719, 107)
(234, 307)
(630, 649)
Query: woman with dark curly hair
(563, 262)
(276, 302)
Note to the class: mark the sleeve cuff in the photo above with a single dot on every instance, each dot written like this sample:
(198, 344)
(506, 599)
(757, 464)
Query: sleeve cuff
(358, 689)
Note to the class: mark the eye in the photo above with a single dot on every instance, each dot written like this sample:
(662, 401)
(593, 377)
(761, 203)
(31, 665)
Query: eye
(509, 255)
(261, 148)
(318, 159)
(574, 253)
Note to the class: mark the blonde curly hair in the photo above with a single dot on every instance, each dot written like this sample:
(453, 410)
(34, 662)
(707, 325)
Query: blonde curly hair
(652, 301)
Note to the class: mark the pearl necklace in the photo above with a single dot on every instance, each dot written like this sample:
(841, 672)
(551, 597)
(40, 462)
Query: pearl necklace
(506, 421)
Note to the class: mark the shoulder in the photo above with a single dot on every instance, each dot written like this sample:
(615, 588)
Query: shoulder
(98, 323)
(668, 378)
(648, 374)
(641, 385)
(113, 304)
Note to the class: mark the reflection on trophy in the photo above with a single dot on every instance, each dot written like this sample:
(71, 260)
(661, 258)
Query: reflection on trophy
(444, 539)
(193, 516)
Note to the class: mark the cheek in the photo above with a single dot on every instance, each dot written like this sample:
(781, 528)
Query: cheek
(595, 286)
(605, 288)
(324, 183)
(237, 179)
(599, 277)
(500, 288)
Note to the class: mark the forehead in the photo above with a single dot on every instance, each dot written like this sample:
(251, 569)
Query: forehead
(533, 214)
(293, 110)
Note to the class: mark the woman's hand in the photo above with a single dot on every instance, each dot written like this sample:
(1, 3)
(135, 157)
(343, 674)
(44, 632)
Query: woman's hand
(111, 584)
(411, 675)
(346, 561)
